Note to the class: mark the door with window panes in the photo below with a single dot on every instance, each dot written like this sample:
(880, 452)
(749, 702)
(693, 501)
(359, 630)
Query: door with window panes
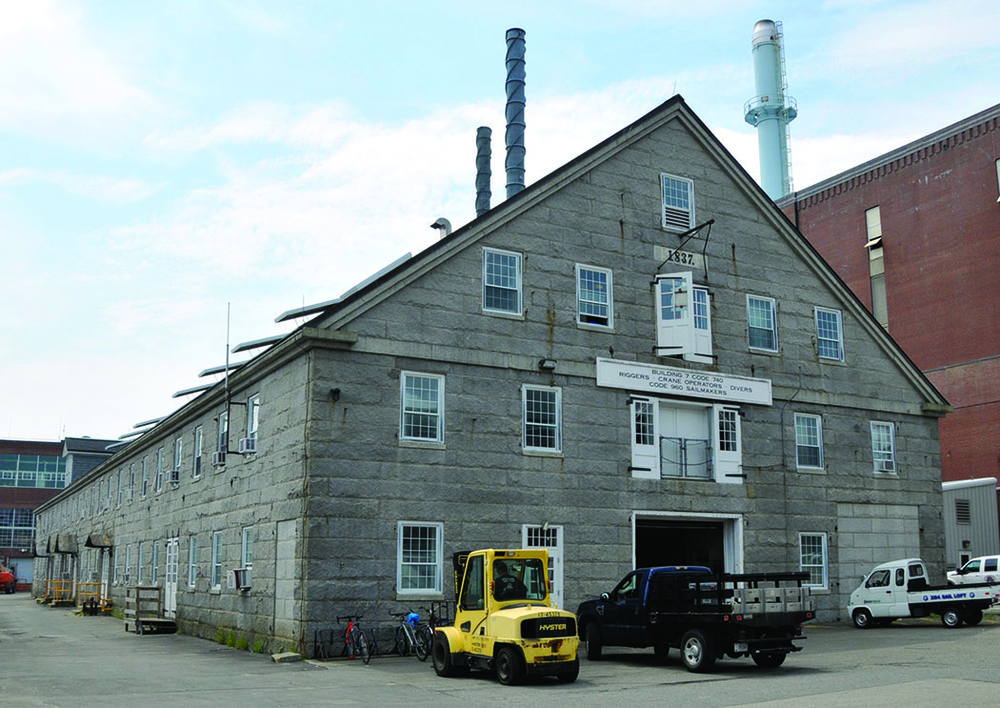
(551, 539)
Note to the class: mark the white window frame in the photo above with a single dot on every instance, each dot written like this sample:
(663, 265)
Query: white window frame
(192, 575)
(222, 440)
(199, 441)
(140, 562)
(131, 482)
(590, 302)
(246, 548)
(178, 453)
(128, 564)
(883, 461)
(800, 443)
(216, 582)
(119, 494)
(438, 562)
(687, 331)
(145, 479)
(406, 413)
(873, 227)
(554, 426)
(253, 416)
(118, 564)
(824, 566)
(517, 310)
(154, 574)
(820, 339)
(772, 312)
(674, 216)
(159, 470)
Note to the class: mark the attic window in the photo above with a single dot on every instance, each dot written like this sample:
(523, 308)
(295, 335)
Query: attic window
(678, 202)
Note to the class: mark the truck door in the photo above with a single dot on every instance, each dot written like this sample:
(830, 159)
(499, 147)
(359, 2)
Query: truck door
(899, 605)
(878, 593)
(623, 612)
(471, 612)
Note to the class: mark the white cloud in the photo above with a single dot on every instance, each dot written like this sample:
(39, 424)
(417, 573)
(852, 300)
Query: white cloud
(97, 187)
(56, 80)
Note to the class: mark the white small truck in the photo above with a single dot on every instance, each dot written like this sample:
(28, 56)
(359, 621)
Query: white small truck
(900, 588)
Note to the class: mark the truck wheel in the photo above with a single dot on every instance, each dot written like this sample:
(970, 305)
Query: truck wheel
(862, 618)
(444, 664)
(973, 617)
(951, 618)
(768, 661)
(569, 676)
(509, 666)
(696, 652)
(593, 640)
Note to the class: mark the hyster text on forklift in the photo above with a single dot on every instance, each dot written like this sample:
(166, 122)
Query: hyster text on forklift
(504, 620)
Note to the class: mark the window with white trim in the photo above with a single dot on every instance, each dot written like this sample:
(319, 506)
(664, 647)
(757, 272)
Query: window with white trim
(154, 573)
(420, 558)
(829, 334)
(884, 447)
(217, 560)
(222, 441)
(813, 560)
(421, 407)
(594, 292)
(128, 564)
(683, 318)
(246, 548)
(119, 493)
(118, 565)
(131, 480)
(542, 418)
(873, 227)
(145, 478)
(762, 323)
(159, 469)
(678, 202)
(199, 435)
(192, 561)
(501, 281)
(178, 454)
(141, 563)
(676, 439)
(253, 416)
(808, 441)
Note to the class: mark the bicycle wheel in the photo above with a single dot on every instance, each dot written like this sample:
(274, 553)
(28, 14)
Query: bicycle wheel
(361, 646)
(425, 638)
(399, 634)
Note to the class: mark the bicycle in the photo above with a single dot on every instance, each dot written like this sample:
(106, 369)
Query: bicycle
(412, 634)
(355, 641)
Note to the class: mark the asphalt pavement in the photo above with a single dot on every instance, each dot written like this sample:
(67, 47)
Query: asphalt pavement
(53, 657)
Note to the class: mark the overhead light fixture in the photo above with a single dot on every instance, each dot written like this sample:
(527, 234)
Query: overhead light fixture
(335, 394)
(547, 364)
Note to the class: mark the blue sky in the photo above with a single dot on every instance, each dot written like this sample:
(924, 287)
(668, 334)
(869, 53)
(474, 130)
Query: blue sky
(164, 161)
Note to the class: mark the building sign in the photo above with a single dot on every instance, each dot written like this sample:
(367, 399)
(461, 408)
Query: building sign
(674, 260)
(645, 378)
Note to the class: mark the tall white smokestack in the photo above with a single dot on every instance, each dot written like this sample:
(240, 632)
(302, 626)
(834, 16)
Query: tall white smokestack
(515, 111)
(770, 111)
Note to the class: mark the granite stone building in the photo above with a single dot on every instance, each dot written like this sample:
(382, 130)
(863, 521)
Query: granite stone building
(636, 360)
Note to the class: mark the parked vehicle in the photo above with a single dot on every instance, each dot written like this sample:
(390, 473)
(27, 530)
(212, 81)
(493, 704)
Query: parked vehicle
(705, 615)
(504, 620)
(978, 570)
(8, 583)
(900, 588)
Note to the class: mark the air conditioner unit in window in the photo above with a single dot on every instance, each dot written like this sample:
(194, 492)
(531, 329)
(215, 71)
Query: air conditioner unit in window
(219, 459)
(174, 476)
(242, 577)
(231, 579)
(885, 466)
(248, 446)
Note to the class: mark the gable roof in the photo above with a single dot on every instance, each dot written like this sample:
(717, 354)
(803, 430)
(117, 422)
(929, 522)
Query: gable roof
(342, 310)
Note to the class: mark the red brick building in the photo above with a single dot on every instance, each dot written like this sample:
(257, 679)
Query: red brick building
(915, 233)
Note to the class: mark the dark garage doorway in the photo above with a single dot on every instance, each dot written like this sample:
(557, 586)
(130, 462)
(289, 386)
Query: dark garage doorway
(679, 542)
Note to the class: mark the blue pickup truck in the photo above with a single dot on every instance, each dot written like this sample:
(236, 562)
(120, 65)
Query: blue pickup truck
(704, 615)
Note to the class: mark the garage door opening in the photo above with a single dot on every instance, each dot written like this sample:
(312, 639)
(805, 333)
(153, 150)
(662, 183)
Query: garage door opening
(680, 542)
